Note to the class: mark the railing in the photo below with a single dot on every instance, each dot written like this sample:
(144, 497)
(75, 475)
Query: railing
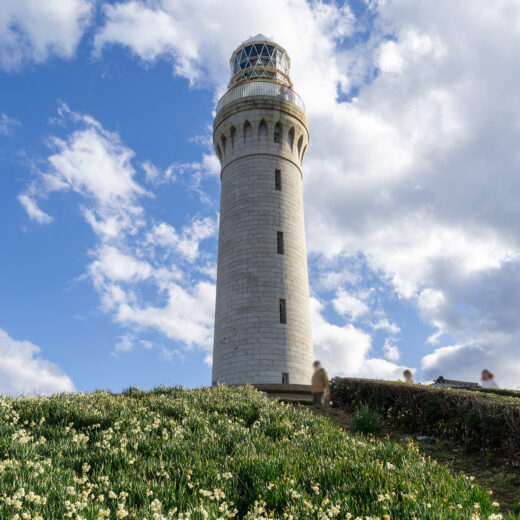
(260, 88)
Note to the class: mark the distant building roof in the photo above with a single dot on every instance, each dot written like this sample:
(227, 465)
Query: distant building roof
(441, 382)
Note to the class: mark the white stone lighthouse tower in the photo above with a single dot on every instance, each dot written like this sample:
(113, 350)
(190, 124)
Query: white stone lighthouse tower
(260, 133)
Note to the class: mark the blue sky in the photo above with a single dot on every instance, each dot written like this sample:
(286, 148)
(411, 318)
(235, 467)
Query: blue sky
(109, 186)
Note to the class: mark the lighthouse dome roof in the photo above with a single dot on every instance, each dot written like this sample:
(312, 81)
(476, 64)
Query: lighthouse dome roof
(258, 38)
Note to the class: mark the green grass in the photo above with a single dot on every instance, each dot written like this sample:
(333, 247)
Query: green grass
(365, 420)
(211, 453)
(489, 471)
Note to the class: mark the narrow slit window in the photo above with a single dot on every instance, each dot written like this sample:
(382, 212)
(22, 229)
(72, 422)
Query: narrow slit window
(278, 180)
(248, 132)
(278, 133)
(285, 378)
(279, 242)
(291, 138)
(262, 132)
(283, 312)
(232, 132)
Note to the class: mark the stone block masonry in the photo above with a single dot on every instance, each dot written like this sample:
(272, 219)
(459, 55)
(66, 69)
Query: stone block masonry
(258, 139)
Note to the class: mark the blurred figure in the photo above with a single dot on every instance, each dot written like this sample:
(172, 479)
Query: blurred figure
(408, 376)
(487, 379)
(319, 384)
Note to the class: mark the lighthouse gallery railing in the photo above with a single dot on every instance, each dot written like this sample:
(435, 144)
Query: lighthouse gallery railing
(260, 88)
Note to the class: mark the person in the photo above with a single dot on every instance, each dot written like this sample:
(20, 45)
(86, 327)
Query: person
(487, 379)
(408, 376)
(319, 384)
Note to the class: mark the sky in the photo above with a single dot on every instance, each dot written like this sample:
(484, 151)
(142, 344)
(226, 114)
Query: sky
(109, 186)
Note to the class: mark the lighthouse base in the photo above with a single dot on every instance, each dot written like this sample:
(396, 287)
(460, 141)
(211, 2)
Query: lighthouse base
(288, 392)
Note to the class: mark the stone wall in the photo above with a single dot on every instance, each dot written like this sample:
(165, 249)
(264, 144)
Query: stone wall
(253, 138)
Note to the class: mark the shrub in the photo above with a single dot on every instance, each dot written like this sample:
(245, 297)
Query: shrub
(477, 420)
(504, 392)
(365, 420)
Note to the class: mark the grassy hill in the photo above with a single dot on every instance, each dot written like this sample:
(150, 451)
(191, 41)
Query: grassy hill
(210, 454)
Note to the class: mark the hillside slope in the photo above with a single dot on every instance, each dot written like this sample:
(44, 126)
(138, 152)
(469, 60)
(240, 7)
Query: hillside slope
(210, 453)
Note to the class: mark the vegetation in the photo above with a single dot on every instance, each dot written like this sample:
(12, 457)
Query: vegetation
(365, 420)
(488, 469)
(211, 453)
(504, 392)
(477, 420)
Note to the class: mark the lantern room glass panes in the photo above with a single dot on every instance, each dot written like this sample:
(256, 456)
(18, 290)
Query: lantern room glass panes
(260, 60)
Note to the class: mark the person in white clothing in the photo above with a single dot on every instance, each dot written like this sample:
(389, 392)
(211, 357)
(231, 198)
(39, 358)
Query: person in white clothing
(487, 379)
(408, 376)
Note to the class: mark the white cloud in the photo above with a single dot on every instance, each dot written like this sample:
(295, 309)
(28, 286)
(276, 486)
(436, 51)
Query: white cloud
(187, 243)
(466, 362)
(345, 350)
(33, 209)
(142, 269)
(114, 266)
(199, 39)
(390, 59)
(347, 305)
(149, 32)
(186, 317)
(126, 343)
(33, 30)
(430, 300)
(192, 174)
(482, 313)
(385, 324)
(330, 279)
(418, 191)
(7, 124)
(151, 171)
(94, 164)
(23, 371)
(189, 175)
(391, 352)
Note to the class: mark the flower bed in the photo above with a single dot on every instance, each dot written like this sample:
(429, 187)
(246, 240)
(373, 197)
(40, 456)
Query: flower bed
(210, 453)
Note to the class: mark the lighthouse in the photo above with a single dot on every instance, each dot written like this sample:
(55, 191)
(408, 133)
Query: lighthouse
(263, 330)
